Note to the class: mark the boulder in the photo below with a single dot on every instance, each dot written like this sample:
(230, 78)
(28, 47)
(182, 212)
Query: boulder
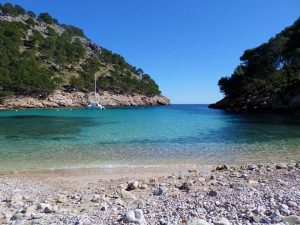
(135, 216)
(132, 186)
(126, 195)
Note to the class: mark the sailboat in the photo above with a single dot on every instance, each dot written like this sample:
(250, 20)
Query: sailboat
(94, 105)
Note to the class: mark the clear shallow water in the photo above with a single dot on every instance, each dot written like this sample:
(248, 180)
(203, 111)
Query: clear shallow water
(48, 139)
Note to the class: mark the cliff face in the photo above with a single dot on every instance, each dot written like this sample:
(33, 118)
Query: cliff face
(79, 99)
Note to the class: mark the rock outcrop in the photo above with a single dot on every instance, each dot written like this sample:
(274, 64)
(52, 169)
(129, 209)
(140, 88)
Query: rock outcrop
(285, 103)
(78, 99)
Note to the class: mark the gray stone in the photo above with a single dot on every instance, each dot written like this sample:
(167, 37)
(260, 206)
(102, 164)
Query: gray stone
(135, 216)
(292, 219)
(281, 166)
(186, 186)
(160, 191)
(103, 207)
(201, 210)
(132, 186)
(292, 204)
(126, 195)
(17, 216)
(197, 222)
(252, 167)
(31, 209)
(42, 206)
(222, 221)
(222, 167)
(143, 186)
(16, 197)
(96, 198)
(48, 209)
(212, 193)
(284, 210)
(61, 199)
(255, 219)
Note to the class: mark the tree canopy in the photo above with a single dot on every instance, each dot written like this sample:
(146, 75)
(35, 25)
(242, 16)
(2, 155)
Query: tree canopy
(270, 68)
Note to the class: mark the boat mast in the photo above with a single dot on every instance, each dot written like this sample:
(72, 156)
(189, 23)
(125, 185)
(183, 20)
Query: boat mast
(95, 86)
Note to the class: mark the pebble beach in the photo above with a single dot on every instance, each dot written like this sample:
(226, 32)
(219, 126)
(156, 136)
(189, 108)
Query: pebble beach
(224, 195)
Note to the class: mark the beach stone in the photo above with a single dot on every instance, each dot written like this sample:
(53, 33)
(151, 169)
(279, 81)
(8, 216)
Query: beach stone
(259, 210)
(126, 195)
(31, 209)
(292, 204)
(201, 210)
(16, 198)
(222, 221)
(42, 206)
(132, 186)
(222, 167)
(36, 216)
(202, 180)
(139, 203)
(61, 199)
(292, 219)
(252, 167)
(17, 216)
(119, 202)
(48, 209)
(135, 216)
(237, 185)
(265, 220)
(96, 198)
(255, 219)
(143, 186)
(197, 222)
(79, 222)
(186, 186)
(76, 197)
(252, 182)
(290, 167)
(212, 193)
(284, 209)
(297, 165)
(281, 166)
(160, 191)
(103, 207)
(276, 217)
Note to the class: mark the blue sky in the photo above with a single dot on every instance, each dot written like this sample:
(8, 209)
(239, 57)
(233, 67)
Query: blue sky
(186, 46)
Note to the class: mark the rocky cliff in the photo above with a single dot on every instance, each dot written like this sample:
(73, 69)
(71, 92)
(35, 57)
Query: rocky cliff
(60, 99)
(288, 103)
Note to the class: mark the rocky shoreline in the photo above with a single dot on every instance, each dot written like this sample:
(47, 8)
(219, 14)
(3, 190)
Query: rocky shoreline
(250, 194)
(272, 103)
(78, 99)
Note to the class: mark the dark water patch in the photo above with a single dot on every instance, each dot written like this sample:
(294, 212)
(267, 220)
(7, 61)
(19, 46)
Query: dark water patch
(42, 127)
(264, 119)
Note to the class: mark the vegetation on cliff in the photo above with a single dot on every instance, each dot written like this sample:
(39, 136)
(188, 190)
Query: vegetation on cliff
(271, 69)
(39, 55)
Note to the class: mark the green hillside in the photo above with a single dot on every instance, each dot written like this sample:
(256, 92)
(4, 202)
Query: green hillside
(39, 55)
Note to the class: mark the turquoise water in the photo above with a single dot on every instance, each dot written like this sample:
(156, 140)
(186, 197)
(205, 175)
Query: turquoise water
(75, 138)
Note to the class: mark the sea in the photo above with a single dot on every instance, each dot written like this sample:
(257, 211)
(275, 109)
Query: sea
(49, 139)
